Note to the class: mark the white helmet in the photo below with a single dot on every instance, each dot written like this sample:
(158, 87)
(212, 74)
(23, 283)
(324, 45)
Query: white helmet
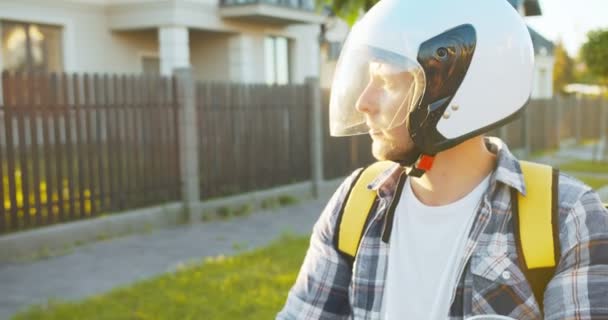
(452, 69)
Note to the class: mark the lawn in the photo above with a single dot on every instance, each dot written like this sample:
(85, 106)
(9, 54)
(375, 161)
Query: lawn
(252, 285)
(593, 182)
(600, 169)
(585, 166)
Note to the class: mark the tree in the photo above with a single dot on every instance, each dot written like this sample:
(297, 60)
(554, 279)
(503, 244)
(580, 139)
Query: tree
(349, 10)
(595, 54)
(563, 70)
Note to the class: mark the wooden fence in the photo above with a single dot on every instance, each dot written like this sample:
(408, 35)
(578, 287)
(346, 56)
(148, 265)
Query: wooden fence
(75, 146)
(547, 123)
(252, 137)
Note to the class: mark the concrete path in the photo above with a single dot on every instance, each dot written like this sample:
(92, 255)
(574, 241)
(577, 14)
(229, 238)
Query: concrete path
(99, 267)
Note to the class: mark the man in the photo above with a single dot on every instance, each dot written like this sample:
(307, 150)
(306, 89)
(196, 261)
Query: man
(425, 79)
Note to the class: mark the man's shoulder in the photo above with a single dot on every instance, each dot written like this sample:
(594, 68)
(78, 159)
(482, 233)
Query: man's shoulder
(570, 191)
(579, 202)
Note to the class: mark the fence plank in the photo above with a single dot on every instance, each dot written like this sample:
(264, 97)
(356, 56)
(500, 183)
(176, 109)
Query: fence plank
(101, 140)
(9, 99)
(55, 109)
(33, 100)
(156, 137)
(67, 116)
(162, 129)
(92, 117)
(116, 103)
(46, 147)
(80, 148)
(140, 138)
(21, 112)
(147, 153)
(129, 144)
(3, 212)
(176, 141)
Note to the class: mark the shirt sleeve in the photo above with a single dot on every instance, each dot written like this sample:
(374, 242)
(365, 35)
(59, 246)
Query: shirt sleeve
(579, 289)
(321, 288)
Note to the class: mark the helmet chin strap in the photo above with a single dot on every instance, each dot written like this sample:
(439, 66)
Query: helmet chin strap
(417, 163)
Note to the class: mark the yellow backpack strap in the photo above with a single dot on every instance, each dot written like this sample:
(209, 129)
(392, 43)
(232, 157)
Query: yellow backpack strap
(536, 225)
(356, 208)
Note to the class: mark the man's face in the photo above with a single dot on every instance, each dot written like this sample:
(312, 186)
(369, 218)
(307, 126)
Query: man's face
(385, 102)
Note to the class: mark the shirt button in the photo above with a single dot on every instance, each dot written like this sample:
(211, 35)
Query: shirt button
(506, 275)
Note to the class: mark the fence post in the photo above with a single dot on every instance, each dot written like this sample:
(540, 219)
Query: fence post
(526, 129)
(558, 120)
(316, 135)
(578, 118)
(603, 133)
(503, 133)
(188, 143)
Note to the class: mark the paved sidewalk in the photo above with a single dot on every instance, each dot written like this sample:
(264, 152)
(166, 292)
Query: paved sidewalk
(99, 267)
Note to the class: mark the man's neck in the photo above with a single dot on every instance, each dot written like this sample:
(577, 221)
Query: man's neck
(455, 173)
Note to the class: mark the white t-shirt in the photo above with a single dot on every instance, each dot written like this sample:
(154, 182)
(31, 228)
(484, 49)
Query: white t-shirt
(426, 246)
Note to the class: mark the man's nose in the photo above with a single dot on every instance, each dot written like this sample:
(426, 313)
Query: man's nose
(368, 100)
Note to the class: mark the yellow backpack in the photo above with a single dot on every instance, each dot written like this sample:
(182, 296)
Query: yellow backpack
(535, 220)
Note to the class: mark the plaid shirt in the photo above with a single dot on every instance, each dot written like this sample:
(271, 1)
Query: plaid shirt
(328, 288)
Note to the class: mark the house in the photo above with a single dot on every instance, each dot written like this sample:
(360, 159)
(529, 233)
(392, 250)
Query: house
(246, 41)
(543, 49)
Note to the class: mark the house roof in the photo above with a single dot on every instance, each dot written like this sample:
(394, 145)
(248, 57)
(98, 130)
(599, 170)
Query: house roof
(541, 42)
(531, 7)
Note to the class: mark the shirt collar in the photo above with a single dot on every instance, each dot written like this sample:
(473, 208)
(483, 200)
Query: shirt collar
(508, 171)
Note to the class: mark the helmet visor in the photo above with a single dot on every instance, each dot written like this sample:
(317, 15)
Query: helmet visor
(372, 90)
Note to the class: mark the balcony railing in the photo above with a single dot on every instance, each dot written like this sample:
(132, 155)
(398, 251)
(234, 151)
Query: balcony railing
(307, 5)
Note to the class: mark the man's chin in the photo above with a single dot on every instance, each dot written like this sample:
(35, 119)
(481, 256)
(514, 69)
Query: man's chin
(382, 151)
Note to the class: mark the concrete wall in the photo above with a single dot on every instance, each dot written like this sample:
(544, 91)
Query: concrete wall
(240, 57)
(543, 77)
(208, 55)
(88, 43)
(231, 51)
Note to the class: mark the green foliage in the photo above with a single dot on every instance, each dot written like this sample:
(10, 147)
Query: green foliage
(223, 212)
(287, 200)
(563, 70)
(270, 203)
(248, 286)
(348, 10)
(595, 53)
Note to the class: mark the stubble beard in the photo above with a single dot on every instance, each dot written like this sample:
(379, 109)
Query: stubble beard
(393, 151)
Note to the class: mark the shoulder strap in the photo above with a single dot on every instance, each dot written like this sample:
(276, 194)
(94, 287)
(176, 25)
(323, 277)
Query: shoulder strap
(356, 208)
(536, 225)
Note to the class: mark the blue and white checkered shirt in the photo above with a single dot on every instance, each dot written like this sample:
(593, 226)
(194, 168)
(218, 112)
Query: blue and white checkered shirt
(328, 288)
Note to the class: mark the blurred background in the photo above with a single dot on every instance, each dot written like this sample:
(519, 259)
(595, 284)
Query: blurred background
(165, 159)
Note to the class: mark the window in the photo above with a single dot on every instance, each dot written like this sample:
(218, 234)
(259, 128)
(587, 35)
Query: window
(31, 47)
(276, 60)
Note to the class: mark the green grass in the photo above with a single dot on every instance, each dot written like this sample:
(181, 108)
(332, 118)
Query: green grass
(585, 166)
(252, 285)
(600, 169)
(593, 182)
